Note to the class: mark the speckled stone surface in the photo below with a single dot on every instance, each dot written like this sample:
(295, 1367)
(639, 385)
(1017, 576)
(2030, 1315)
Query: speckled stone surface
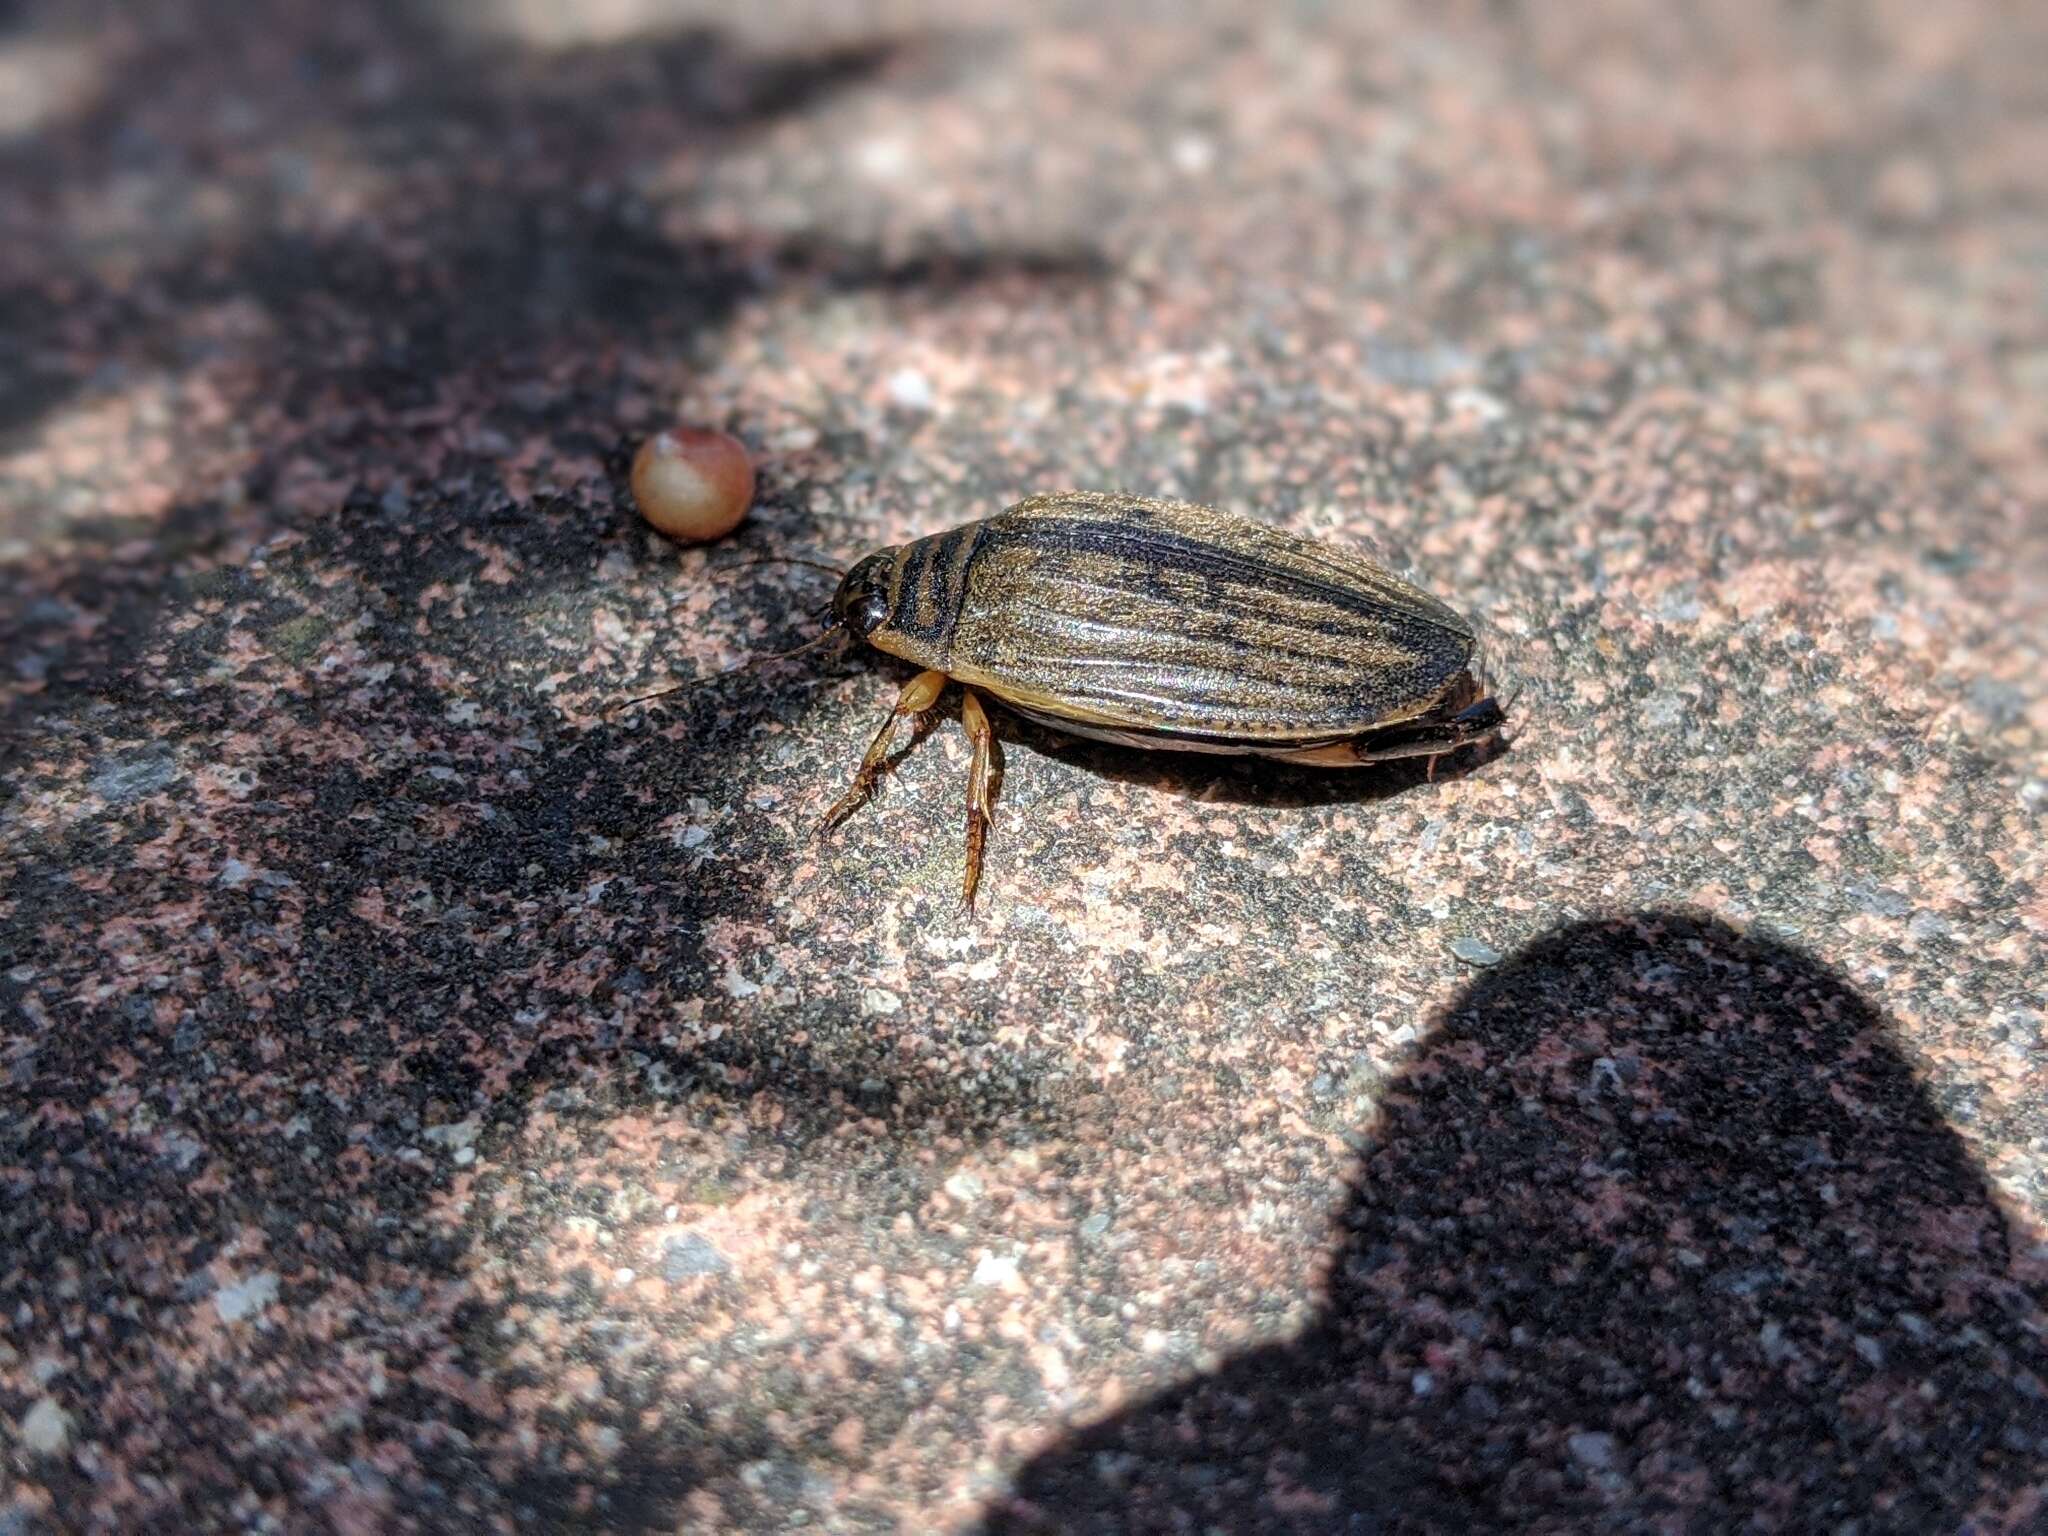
(430, 1102)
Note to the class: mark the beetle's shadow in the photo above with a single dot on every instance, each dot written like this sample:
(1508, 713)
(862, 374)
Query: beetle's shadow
(1251, 781)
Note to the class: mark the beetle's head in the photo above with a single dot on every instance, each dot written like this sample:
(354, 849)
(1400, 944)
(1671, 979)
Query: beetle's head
(862, 602)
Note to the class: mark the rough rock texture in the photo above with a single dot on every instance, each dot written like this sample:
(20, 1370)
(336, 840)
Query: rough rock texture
(429, 1102)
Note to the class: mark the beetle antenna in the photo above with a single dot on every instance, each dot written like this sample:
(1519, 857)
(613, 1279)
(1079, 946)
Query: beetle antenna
(816, 565)
(831, 632)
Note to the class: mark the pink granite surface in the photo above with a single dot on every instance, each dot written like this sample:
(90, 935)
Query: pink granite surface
(428, 1103)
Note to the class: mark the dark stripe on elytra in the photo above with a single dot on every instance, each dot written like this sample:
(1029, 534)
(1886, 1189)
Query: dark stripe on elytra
(1154, 548)
(1232, 600)
(1239, 647)
(934, 568)
(1199, 680)
(1424, 645)
(1243, 592)
(916, 557)
(1210, 681)
(960, 547)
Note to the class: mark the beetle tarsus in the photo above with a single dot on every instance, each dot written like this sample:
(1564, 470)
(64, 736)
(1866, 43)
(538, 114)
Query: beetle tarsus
(977, 840)
(844, 807)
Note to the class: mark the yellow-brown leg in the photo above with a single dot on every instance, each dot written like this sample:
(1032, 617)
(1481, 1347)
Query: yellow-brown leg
(918, 695)
(980, 804)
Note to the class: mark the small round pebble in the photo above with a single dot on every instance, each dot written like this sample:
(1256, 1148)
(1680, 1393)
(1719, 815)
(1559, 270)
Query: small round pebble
(693, 484)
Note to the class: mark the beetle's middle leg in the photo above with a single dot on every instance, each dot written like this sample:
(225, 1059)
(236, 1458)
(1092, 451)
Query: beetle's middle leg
(918, 695)
(980, 802)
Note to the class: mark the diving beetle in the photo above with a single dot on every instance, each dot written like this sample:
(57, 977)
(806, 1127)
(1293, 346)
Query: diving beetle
(1161, 625)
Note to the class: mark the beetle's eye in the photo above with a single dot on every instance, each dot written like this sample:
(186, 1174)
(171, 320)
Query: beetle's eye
(874, 609)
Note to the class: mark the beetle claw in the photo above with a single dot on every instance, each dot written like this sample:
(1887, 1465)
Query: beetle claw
(847, 804)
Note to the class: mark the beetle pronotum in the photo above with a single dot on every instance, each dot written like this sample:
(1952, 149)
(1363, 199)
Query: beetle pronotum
(1161, 625)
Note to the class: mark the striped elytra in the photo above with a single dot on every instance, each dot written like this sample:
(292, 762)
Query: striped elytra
(1162, 624)
(1163, 617)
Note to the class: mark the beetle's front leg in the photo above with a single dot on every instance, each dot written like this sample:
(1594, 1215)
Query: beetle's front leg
(918, 695)
(980, 801)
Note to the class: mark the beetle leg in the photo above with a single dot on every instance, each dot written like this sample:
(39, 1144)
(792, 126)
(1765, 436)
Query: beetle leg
(1361, 750)
(1433, 739)
(918, 695)
(980, 804)
(1334, 754)
(1394, 751)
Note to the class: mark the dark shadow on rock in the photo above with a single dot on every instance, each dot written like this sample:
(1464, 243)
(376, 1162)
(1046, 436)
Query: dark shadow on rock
(428, 903)
(448, 911)
(1657, 1232)
(592, 295)
(540, 238)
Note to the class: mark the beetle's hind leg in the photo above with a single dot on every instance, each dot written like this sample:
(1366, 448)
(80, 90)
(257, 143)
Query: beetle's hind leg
(1432, 736)
(918, 695)
(980, 789)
